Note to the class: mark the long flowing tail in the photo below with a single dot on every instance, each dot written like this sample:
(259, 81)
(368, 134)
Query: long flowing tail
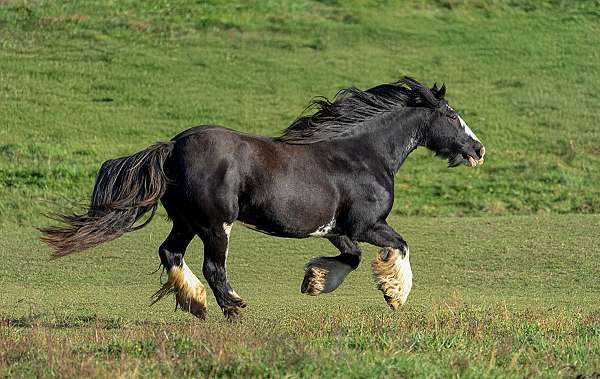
(126, 188)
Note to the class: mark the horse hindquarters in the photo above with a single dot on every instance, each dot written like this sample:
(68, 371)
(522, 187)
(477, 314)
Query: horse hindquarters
(204, 201)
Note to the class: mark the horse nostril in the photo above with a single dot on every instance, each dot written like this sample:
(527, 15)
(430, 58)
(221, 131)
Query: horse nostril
(481, 152)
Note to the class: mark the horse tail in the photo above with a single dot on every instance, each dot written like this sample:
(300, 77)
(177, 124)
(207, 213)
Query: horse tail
(126, 188)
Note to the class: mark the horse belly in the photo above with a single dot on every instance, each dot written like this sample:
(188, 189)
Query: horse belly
(299, 210)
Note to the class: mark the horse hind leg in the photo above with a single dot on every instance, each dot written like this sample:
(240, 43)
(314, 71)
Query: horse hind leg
(190, 294)
(216, 249)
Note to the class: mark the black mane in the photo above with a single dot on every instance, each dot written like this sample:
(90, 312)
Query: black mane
(351, 107)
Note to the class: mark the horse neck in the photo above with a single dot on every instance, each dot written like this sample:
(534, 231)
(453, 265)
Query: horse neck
(392, 137)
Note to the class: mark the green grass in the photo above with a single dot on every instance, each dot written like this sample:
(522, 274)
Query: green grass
(508, 297)
(505, 282)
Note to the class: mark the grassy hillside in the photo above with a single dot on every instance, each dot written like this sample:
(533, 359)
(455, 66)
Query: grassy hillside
(82, 82)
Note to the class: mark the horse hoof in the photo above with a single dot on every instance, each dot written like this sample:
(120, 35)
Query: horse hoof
(323, 275)
(232, 305)
(194, 305)
(190, 294)
(314, 280)
(394, 303)
(393, 275)
(231, 312)
(232, 299)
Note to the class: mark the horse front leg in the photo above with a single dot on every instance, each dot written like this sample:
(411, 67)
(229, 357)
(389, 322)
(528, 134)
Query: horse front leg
(325, 274)
(391, 267)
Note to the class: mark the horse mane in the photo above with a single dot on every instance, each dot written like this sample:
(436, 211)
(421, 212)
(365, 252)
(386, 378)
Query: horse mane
(351, 107)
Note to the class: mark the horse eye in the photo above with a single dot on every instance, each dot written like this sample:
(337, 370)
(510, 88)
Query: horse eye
(452, 116)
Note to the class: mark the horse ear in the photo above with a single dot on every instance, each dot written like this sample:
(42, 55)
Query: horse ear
(442, 92)
(434, 89)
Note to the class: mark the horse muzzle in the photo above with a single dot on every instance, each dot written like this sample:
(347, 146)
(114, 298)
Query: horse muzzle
(476, 161)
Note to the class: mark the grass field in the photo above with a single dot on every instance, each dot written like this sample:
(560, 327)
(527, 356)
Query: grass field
(505, 282)
(507, 296)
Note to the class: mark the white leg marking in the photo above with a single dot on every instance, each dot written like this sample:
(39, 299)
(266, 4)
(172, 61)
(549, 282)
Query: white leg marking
(189, 292)
(393, 275)
(404, 275)
(190, 279)
(227, 228)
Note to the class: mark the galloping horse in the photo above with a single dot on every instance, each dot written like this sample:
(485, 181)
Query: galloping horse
(330, 174)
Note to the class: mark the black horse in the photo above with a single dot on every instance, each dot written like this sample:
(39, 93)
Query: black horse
(331, 174)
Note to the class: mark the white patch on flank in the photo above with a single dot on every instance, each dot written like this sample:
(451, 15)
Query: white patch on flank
(413, 143)
(190, 279)
(324, 229)
(337, 274)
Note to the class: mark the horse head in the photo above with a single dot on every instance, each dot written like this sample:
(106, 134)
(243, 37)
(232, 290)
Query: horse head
(449, 136)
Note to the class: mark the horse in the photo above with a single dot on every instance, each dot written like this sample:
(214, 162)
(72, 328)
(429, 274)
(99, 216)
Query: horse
(330, 174)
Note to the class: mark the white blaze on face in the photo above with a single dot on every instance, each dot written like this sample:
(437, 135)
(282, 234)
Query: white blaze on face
(465, 126)
(467, 129)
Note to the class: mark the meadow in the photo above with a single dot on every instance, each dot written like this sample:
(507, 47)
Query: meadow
(505, 256)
